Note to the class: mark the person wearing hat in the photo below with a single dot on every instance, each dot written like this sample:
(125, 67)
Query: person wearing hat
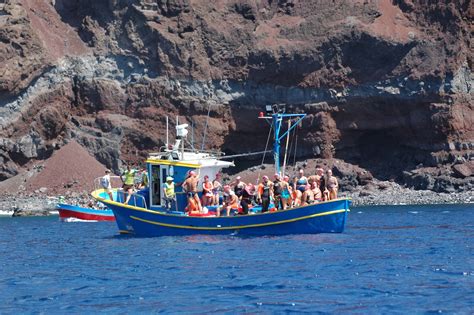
(105, 183)
(265, 193)
(169, 193)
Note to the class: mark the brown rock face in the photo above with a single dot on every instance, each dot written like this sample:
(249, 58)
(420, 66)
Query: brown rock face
(386, 85)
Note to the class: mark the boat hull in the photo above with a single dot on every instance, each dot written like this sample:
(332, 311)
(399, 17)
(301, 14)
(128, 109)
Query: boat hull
(325, 217)
(69, 211)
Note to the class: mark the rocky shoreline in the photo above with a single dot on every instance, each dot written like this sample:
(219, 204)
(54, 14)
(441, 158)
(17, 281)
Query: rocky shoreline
(381, 193)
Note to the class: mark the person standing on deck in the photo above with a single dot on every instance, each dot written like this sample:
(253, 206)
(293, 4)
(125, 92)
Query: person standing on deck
(248, 195)
(277, 191)
(106, 184)
(190, 186)
(217, 189)
(169, 194)
(144, 179)
(332, 185)
(239, 186)
(302, 181)
(128, 180)
(322, 183)
(207, 195)
(265, 193)
(286, 193)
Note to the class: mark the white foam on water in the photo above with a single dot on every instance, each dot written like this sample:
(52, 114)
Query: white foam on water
(6, 213)
(77, 220)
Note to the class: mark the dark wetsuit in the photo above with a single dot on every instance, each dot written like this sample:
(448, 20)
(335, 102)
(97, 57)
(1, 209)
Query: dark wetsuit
(238, 189)
(246, 201)
(265, 197)
(322, 184)
(277, 190)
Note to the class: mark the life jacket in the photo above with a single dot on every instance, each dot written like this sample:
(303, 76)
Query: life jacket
(169, 190)
(192, 207)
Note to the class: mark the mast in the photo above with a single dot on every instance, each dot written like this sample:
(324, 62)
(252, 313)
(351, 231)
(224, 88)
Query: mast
(277, 117)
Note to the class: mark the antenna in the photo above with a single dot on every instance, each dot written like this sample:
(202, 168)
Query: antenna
(167, 140)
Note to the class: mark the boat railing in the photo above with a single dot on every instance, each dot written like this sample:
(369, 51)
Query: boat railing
(165, 150)
(136, 199)
(115, 182)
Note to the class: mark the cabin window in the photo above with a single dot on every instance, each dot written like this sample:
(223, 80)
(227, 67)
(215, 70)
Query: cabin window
(156, 192)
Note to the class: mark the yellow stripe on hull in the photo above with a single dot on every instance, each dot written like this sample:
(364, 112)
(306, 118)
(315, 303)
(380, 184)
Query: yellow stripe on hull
(240, 226)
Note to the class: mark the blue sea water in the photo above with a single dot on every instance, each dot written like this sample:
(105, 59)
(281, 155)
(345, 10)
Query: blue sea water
(398, 259)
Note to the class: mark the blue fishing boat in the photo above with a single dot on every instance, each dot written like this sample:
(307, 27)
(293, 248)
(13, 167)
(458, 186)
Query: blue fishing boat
(145, 213)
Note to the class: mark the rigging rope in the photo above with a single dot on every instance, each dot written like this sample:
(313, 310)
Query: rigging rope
(286, 148)
(296, 145)
(205, 128)
(263, 158)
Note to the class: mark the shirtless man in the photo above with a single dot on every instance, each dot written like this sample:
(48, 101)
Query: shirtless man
(332, 185)
(190, 186)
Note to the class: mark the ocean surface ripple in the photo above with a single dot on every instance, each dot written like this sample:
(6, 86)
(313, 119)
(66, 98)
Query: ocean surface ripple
(394, 259)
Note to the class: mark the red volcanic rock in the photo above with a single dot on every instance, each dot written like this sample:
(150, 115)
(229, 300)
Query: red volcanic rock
(387, 85)
(465, 169)
(71, 168)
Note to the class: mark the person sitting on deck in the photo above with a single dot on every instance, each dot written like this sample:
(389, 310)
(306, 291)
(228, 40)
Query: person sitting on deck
(296, 196)
(216, 189)
(332, 185)
(207, 195)
(231, 201)
(169, 194)
(302, 181)
(190, 187)
(265, 193)
(106, 184)
(307, 197)
(128, 179)
(316, 191)
(192, 207)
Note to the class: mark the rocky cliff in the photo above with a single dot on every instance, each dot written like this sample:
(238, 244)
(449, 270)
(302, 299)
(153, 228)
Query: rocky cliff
(387, 85)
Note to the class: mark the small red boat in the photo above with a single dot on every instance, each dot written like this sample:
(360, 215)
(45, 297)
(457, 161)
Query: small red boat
(86, 214)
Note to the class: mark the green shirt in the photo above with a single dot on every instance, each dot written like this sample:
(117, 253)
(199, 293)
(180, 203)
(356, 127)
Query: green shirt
(129, 177)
